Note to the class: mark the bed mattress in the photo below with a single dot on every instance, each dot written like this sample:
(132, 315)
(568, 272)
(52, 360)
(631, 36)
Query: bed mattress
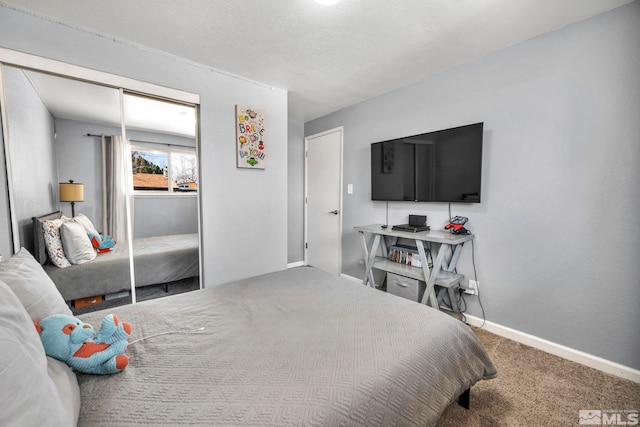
(296, 347)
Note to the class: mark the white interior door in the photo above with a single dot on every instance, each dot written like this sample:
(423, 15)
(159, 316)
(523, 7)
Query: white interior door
(324, 200)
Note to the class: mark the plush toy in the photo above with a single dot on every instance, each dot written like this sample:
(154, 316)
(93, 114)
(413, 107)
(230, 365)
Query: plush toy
(102, 244)
(69, 340)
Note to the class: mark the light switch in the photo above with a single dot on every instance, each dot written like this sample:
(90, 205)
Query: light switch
(349, 188)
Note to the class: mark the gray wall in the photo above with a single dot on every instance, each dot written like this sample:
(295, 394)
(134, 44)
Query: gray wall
(32, 153)
(243, 211)
(296, 192)
(80, 159)
(557, 234)
(157, 215)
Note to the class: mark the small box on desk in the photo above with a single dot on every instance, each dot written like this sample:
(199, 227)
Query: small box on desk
(405, 287)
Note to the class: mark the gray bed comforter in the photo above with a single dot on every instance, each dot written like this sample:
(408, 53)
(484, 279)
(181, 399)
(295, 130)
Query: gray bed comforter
(291, 348)
(158, 259)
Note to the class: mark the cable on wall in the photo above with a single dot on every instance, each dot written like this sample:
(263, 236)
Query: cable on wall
(475, 275)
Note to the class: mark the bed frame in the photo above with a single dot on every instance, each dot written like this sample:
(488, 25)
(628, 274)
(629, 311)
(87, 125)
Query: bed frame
(157, 260)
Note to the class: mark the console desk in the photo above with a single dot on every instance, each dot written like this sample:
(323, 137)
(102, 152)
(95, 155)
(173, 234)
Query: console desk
(442, 272)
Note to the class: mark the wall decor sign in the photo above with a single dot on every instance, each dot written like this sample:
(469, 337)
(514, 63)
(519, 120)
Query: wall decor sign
(250, 132)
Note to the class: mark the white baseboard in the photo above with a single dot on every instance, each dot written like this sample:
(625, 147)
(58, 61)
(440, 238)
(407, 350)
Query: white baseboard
(295, 264)
(565, 352)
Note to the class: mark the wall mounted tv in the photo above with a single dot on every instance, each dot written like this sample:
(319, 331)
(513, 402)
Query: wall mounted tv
(441, 166)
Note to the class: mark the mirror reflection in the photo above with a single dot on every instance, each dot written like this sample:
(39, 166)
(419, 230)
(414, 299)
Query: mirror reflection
(77, 204)
(161, 138)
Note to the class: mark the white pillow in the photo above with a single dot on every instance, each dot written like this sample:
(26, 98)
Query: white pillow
(33, 287)
(75, 241)
(66, 384)
(53, 242)
(83, 220)
(28, 395)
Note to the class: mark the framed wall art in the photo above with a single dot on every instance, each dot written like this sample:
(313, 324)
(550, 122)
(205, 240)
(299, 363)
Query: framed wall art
(250, 133)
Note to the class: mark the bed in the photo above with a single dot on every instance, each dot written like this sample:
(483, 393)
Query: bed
(289, 348)
(157, 260)
(295, 347)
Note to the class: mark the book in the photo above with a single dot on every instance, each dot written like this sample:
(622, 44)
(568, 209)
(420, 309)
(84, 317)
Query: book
(407, 255)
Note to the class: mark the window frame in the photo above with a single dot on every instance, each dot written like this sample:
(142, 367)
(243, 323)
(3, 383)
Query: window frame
(167, 149)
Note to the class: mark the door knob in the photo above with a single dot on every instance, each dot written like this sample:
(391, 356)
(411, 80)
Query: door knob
(334, 212)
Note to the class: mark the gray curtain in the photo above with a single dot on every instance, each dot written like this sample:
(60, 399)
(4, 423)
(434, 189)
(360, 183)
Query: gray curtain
(117, 187)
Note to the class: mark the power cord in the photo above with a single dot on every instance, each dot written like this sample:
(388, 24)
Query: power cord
(462, 301)
(189, 331)
(475, 275)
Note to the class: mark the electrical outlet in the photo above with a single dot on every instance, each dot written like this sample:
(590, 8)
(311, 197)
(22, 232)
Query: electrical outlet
(472, 289)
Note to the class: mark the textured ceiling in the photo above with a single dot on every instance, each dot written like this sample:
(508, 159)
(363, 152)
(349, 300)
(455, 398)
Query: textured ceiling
(327, 57)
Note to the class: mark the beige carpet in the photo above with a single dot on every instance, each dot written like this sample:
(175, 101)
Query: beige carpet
(534, 388)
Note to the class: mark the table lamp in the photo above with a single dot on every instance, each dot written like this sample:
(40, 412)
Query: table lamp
(71, 192)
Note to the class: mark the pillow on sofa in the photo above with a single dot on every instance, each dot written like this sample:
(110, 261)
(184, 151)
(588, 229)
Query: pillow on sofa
(75, 242)
(40, 249)
(83, 220)
(28, 395)
(33, 287)
(53, 242)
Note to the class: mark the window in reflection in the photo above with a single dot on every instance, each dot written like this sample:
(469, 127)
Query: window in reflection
(164, 170)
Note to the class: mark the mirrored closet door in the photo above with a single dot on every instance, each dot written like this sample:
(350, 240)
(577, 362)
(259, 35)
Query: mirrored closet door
(161, 143)
(83, 156)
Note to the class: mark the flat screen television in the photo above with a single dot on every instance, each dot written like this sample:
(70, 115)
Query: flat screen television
(440, 166)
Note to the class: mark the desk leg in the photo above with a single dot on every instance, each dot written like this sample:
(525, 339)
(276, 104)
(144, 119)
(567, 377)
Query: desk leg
(386, 244)
(369, 256)
(451, 266)
(429, 292)
(437, 266)
(454, 258)
(365, 252)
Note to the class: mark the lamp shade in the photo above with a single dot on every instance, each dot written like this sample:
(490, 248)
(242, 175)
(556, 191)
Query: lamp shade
(71, 192)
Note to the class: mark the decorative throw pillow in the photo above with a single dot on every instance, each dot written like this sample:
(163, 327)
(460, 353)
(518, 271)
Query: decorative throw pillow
(76, 244)
(53, 242)
(83, 220)
(33, 287)
(34, 391)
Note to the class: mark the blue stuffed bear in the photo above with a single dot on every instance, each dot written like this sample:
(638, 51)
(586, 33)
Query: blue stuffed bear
(69, 340)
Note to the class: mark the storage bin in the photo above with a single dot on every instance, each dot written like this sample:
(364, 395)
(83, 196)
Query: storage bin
(405, 287)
